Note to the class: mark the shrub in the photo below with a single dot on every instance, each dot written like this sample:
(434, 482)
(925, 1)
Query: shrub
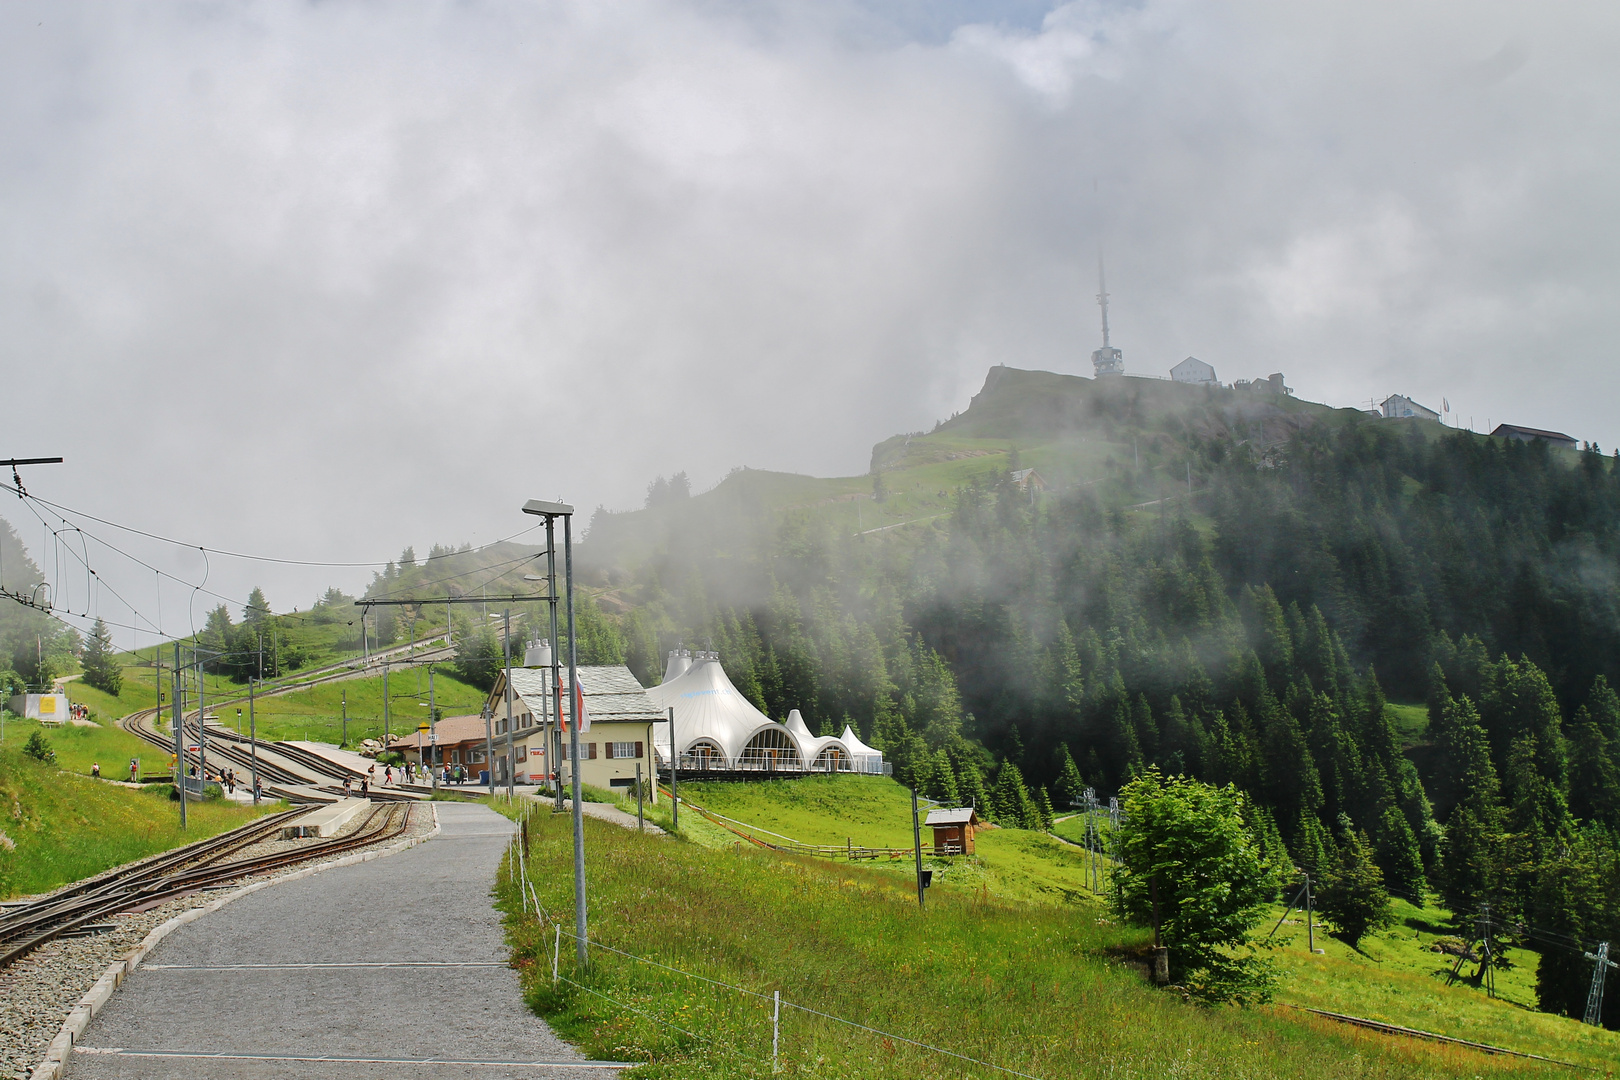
(39, 748)
(1191, 868)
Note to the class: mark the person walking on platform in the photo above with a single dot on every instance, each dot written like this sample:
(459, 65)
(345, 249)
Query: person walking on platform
(258, 790)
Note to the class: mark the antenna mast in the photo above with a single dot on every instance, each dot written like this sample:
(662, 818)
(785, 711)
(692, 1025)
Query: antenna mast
(1106, 360)
(1102, 297)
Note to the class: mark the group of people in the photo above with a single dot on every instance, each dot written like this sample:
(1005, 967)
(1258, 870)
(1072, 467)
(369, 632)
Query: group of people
(409, 773)
(79, 712)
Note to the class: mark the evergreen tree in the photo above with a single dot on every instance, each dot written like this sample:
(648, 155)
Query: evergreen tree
(257, 607)
(1043, 807)
(1396, 849)
(1071, 786)
(1352, 896)
(1576, 902)
(970, 790)
(101, 669)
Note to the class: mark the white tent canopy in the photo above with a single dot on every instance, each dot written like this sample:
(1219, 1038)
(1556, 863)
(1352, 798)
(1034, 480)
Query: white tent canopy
(716, 727)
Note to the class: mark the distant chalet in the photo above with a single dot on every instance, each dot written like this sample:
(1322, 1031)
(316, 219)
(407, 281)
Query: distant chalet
(1400, 407)
(1530, 434)
(1195, 371)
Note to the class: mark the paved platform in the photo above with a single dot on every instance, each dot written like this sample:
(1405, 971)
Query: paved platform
(390, 968)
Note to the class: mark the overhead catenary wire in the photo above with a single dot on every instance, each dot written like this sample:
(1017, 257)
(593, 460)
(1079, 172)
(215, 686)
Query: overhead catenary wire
(238, 554)
(95, 580)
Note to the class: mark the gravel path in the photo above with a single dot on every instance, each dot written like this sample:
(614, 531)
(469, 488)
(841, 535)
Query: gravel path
(38, 991)
(394, 967)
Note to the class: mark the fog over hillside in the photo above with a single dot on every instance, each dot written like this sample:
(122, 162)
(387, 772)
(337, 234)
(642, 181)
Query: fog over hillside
(321, 281)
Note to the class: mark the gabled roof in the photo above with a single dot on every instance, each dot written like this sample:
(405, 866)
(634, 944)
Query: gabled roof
(963, 815)
(1534, 433)
(612, 694)
(450, 729)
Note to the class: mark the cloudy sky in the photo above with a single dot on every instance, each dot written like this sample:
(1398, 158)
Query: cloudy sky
(320, 280)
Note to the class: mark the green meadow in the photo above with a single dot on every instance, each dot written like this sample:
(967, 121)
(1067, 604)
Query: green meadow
(1012, 962)
(60, 826)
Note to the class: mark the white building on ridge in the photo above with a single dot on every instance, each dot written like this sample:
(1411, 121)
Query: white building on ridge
(1398, 406)
(1195, 371)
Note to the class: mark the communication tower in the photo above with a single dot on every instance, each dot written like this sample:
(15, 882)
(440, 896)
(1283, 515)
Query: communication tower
(1106, 360)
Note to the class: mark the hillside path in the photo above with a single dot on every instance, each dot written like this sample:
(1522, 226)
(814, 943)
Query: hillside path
(393, 968)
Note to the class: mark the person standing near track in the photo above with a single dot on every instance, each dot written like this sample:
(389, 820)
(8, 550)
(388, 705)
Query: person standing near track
(95, 769)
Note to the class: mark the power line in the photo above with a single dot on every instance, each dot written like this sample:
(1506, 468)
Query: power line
(239, 554)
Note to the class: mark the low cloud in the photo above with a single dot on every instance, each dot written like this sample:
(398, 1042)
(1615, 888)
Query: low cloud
(322, 280)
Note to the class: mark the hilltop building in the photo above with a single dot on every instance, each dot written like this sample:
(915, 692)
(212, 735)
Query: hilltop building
(719, 730)
(1271, 384)
(1397, 406)
(1530, 434)
(1195, 371)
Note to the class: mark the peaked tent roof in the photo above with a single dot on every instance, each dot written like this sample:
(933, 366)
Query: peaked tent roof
(708, 707)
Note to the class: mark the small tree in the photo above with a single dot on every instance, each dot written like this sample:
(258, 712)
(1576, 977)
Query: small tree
(101, 668)
(1352, 896)
(38, 748)
(1191, 869)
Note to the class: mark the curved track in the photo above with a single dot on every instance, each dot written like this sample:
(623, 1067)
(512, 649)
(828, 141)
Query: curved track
(280, 763)
(174, 873)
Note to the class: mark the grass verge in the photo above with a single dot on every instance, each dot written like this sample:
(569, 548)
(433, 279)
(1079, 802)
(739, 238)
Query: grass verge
(1030, 987)
(59, 827)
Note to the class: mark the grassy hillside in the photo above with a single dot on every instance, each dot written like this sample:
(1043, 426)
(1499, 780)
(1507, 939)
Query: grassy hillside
(316, 712)
(1038, 988)
(60, 827)
(78, 748)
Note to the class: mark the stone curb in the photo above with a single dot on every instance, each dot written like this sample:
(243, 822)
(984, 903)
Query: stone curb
(60, 1053)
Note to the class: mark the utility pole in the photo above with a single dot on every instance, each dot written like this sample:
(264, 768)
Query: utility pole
(385, 703)
(511, 736)
(1594, 998)
(552, 511)
(253, 739)
(176, 714)
(1310, 916)
(674, 768)
(345, 718)
(489, 752)
(916, 846)
(433, 731)
(202, 725)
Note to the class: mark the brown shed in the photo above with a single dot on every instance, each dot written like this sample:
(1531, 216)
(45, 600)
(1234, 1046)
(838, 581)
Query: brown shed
(953, 830)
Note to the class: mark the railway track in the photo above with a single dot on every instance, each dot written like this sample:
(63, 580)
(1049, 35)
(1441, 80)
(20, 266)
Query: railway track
(185, 870)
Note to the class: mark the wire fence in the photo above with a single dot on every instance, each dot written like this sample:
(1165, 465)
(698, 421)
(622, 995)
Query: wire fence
(735, 1007)
(775, 1000)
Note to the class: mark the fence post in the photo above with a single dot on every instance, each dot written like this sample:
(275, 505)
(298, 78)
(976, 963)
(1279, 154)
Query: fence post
(556, 950)
(776, 1028)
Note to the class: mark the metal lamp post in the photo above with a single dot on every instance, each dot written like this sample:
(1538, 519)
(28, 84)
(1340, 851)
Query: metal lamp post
(551, 511)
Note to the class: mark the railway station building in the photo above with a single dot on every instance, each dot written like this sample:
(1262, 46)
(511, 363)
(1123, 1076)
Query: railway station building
(617, 734)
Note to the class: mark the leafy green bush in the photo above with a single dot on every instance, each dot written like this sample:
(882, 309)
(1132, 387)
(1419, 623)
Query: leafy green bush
(1192, 869)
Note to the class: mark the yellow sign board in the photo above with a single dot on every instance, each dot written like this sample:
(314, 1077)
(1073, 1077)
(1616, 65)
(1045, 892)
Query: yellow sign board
(47, 703)
(423, 726)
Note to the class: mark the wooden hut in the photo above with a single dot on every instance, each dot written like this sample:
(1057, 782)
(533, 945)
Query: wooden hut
(953, 830)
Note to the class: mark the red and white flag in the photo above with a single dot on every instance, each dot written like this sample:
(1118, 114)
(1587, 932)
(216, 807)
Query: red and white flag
(580, 710)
